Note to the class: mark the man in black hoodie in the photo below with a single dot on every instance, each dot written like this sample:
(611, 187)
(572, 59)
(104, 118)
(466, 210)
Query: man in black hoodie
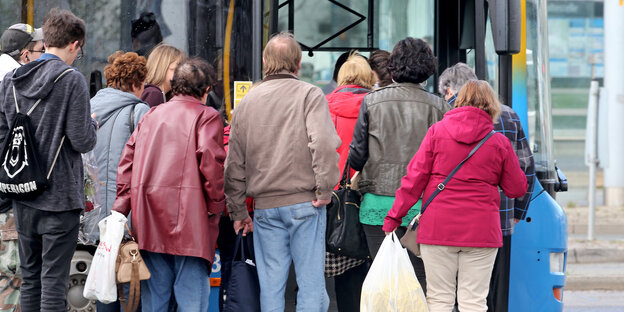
(47, 225)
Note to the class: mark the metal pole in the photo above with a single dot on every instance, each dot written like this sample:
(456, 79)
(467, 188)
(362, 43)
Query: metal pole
(591, 155)
(256, 40)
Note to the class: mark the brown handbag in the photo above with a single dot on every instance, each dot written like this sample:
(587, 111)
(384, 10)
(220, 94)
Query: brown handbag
(409, 238)
(130, 268)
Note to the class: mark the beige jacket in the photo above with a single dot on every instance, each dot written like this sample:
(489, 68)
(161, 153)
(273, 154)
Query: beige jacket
(282, 147)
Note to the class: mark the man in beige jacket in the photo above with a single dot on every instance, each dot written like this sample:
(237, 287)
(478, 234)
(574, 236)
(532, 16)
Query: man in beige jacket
(282, 152)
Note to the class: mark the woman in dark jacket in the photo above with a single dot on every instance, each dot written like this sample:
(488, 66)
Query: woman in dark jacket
(391, 124)
(355, 79)
(459, 231)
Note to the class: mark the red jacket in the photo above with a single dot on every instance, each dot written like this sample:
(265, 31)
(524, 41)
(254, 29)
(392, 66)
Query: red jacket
(466, 212)
(171, 177)
(344, 107)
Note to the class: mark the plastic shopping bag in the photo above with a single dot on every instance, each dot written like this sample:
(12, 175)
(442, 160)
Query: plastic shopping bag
(391, 284)
(88, 232)
(101, 284)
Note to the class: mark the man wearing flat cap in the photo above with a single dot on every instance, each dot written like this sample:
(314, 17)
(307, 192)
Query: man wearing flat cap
(20, 44)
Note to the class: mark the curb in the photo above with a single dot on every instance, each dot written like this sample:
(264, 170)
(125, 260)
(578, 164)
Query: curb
(580, 282)
(595, 255)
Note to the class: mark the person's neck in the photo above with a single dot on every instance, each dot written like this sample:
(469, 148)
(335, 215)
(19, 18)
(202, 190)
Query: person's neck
(62, 53)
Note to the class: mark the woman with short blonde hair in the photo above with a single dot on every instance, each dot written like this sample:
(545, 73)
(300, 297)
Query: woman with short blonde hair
(356, 71)
(355, 79)
(161, 64)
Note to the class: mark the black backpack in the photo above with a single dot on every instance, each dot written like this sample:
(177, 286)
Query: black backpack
(22, 175)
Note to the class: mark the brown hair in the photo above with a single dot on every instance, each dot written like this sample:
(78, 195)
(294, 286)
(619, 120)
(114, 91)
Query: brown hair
(159, 60)
(478, 93)
(125, 70)
(62, 27)
(192, 77)
(282, 52)
(356, 71)
(378, 62)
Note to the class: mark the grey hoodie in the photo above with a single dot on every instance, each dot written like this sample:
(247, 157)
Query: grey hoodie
(112, 110)
(63, 111)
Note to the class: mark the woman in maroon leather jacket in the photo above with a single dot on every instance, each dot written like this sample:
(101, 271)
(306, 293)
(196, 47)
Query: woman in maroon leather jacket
(171, 177)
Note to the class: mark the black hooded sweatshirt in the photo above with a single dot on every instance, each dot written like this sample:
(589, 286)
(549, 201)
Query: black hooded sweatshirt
(63, 111)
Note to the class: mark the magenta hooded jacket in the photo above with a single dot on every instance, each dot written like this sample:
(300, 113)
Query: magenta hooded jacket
(466, 212)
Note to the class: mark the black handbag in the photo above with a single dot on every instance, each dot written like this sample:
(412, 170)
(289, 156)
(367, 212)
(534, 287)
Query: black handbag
(344, 235)
(409, 239)
(243, 291)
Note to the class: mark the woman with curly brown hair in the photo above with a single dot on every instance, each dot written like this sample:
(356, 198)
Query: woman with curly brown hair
(118, 109)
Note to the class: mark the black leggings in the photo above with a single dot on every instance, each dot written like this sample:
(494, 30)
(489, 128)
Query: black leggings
(375, 236)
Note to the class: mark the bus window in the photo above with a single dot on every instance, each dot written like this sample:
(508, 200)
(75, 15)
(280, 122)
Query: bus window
(538, 88)
(393, 20)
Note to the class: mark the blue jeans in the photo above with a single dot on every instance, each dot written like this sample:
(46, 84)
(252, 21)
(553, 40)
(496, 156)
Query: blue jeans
(291, 233)
(186, 277)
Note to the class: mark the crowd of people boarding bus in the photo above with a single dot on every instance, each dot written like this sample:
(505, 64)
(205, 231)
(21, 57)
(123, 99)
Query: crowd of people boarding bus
(162, 161)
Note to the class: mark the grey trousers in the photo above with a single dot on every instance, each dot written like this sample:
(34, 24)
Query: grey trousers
(47, 241)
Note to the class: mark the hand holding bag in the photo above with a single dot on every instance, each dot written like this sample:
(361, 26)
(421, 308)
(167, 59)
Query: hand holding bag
(344, 234)
(391, 284)
(130, 268)
(409, 239)
(243, 291)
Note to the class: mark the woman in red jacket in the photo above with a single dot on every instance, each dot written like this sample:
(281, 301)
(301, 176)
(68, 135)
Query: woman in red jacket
(355, 79)
(459, 231)
(171, 176)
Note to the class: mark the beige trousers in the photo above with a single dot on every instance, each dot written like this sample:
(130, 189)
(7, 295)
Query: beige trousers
(466, 268)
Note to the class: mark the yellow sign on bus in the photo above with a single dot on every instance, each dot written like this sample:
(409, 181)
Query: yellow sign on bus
(240, 89)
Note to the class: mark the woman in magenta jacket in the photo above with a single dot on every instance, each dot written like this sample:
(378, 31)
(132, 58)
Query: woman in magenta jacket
(460, 231)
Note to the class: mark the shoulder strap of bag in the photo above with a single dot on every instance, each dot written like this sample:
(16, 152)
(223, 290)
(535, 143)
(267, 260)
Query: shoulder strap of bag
(442, 185)
(58, 151)
(131, 118)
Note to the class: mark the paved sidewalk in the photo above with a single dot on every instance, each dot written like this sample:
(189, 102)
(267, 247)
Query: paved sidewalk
(597, 264)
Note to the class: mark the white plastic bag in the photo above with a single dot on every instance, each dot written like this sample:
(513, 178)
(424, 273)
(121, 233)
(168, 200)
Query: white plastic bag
(101, 284)
(391, 284)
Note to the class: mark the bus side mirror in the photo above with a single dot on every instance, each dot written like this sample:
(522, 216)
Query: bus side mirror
(562, 181)
(506, 16)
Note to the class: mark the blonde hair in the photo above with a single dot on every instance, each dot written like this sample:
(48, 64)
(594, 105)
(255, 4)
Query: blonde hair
(282, 52)
(159, 60)
(479, 93)
(356, 71)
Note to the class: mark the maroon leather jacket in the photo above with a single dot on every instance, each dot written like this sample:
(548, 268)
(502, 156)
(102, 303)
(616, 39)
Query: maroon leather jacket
(171, 176)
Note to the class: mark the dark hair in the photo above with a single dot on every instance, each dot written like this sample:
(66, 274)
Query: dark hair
(62, 27)
(192, 77)
(125, 70)
(339, 62)
(378, 62)
(146, 31)
(411, 61)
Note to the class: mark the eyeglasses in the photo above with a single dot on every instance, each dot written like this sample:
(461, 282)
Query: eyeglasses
(40, 51)
(80, 54)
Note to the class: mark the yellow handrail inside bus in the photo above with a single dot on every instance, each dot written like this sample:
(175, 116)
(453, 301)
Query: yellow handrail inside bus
(226, 61)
